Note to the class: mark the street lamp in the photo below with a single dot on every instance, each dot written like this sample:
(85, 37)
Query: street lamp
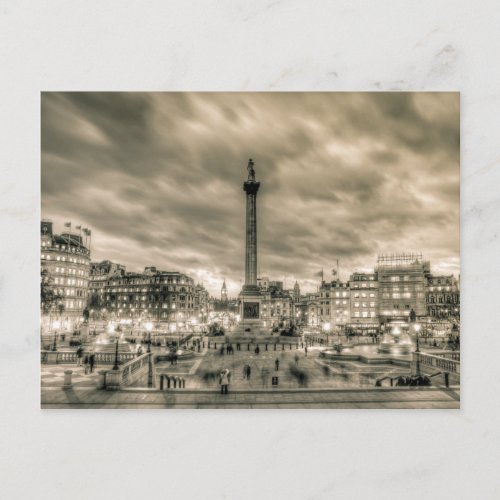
(417, 350)
(417, 329)
(111, 329)
(56, 325)
(149, 327)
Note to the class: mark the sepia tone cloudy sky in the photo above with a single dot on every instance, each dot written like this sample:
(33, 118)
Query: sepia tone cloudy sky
(158, 178)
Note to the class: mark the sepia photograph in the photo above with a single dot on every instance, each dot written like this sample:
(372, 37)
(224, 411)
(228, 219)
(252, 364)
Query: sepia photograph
(227, 250)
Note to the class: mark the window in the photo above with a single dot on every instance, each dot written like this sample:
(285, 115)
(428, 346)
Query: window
(356, 314)
(356, 304)
(372, 304)
(365, 314)
(394, 278)
(363, 295)
(372, 295)
(356, 295)
(396, 295)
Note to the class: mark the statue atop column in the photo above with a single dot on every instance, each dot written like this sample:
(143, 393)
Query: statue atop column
(251, 171)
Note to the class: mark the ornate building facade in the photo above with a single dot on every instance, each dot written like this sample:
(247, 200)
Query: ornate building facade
(65, 265)
(443, 297)
(167, 298)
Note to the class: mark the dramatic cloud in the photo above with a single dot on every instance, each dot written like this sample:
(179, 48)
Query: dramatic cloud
(158, 178)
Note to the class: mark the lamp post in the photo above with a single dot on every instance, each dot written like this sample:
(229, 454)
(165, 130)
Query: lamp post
(417, 350)
(149, 327)
(111, 329)
(56, 325)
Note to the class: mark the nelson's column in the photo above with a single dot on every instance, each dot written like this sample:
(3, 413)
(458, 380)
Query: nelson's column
(250, 297)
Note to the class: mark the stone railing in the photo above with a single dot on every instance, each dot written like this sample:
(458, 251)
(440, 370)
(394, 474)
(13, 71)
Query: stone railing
(455, 355)
(69, 357)
(128, 373)
(444, 364)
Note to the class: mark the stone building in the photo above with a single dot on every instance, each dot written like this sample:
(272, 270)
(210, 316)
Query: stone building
(364, 310)
(402, 280)
(277, 305)
(65, 264)
(100, 272)
(443, 297)
(331, 307)
(167, 298)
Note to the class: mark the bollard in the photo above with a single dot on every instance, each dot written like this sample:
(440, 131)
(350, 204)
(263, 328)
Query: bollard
(266, 347)
(446, 379)
(102, 379)
(282, 347)
(215, 345)
(248, 347)
(67, 379)
(183, 383)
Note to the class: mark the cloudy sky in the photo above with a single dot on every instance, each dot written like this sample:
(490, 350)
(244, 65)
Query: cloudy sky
(158, 178)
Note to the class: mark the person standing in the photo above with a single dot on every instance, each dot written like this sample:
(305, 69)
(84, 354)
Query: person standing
(91, 361)
(277, 364)
(296, 360)
(224, 381)
(305, 350)
(249, 372)
(86, 363)
(79, 356)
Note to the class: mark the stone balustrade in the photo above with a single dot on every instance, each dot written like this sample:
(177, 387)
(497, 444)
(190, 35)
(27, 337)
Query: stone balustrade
(455, 355)
(128, 373)
(438, 362)
(69, 357)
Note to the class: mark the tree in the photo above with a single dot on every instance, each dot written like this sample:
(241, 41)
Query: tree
(48, 296)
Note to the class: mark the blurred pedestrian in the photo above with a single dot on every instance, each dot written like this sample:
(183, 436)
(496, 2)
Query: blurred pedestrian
(249, 372)
(91, 362)
(86, 363)
(79, 355)
(305, 350)
(296, 360)
(224, 381)
(277, 364)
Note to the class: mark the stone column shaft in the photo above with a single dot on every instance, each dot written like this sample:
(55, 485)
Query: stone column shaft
(251, 188)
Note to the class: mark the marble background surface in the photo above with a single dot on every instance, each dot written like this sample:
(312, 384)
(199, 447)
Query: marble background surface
(243, 45)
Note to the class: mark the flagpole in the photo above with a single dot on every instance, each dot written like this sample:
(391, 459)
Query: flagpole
(68, 224)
